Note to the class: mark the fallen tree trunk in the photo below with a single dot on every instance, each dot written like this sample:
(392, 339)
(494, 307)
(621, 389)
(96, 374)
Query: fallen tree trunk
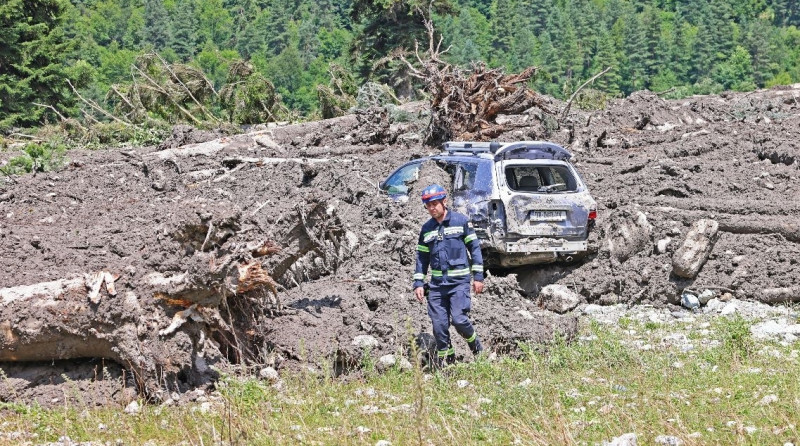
(58, 320)
(740, 224)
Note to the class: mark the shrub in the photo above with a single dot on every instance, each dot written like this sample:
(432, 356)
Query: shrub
(36, 157)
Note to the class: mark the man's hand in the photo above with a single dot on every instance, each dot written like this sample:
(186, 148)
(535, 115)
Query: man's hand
(419, 293)
(478, 287)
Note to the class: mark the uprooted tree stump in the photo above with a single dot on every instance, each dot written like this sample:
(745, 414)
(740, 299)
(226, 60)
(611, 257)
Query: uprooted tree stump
(168, 329)
(466, 103)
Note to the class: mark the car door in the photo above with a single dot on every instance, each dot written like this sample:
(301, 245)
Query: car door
(543, 194)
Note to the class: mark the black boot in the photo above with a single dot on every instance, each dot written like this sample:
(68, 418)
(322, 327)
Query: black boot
(450, 359)
(475, 346)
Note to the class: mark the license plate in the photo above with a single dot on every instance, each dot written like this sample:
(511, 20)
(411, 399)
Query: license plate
(548, 215)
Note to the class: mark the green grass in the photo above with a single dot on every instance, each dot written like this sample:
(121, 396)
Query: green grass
(583, 392)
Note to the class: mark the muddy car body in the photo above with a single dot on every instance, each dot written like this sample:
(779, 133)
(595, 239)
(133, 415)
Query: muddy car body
(526, 201)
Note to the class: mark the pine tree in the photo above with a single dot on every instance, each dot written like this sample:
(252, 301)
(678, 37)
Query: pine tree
(787, 12)
(679, 57)
(720, 29)
(386, 26)
(464, 47)
(550, 66)
(156, 25)
(253, 38)
(184, 31)
(524, 48)
(281, 18)
(703, 58)
(31, 54)
(654, 51)
(536, 12)
(757, 41)
(215, 23)
(570, 53)
(633, 67)
(606, 56)
(587, 29)
(503, 25)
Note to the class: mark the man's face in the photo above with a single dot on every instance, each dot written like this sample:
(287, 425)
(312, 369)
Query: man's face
(436, 208)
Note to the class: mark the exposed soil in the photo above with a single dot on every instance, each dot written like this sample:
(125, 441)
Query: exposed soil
(276, 246)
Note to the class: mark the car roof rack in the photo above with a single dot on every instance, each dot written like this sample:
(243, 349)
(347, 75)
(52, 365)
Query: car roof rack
(473, 147)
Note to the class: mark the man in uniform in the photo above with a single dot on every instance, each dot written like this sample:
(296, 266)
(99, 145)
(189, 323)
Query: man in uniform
(444, 243)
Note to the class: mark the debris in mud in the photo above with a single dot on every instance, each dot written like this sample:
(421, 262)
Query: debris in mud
(283, 253)
(466, 105)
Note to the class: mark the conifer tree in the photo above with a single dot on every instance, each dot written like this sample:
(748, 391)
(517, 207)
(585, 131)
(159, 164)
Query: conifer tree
(31, 55)
(703, 58)
(633, 67)
(757, 41)
(536, 11)
(720, 29)
(156, 25)
(653, 51)
(387, 26)
(184, 31)
(502, 25)
(215, 23)
(679, 57)
(606, 56)
(464, 47)
(253, 38)
(550, 66)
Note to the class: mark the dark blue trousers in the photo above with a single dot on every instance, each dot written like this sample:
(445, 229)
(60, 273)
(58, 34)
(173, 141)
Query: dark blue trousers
(445, 304)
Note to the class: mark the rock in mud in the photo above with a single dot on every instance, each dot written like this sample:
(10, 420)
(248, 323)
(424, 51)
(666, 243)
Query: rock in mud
(386, 362)
(628, 439)
(695, 249)
(268, 374)
(780, 295)
(689, 300)
(559, 298)
(630, 234)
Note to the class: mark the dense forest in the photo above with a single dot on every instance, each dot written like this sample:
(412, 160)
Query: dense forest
(98, 61)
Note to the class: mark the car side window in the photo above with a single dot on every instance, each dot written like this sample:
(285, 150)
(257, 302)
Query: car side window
(398, 182)
(464, 177)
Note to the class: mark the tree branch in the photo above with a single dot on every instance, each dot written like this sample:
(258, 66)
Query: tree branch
(97, 107)
(571, 98)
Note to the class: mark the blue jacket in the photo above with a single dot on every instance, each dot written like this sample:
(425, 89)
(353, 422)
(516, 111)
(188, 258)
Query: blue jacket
(444, 247)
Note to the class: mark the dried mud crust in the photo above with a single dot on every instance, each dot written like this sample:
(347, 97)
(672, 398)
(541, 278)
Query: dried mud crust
(276, 246)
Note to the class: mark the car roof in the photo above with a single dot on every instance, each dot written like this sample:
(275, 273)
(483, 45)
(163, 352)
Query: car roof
(503, 151)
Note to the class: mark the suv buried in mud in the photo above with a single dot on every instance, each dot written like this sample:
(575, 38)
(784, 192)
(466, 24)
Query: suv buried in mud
(525, 200)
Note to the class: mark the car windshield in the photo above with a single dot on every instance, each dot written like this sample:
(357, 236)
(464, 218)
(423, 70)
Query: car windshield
(398, 183)
(527, 178)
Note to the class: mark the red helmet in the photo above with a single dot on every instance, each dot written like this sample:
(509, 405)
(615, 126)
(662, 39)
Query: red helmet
(432, 193)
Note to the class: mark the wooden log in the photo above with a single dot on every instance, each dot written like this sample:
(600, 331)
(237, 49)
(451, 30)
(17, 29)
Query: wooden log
(57, 320)
(739, 224)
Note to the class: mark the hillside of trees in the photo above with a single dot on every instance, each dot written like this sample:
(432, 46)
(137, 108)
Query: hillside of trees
(288, 56)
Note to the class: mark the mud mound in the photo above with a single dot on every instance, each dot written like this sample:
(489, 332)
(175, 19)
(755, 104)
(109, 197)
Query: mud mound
(277, 247)
(184, 135)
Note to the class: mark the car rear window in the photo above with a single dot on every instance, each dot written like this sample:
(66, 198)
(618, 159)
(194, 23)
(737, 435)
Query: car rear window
(540, 179)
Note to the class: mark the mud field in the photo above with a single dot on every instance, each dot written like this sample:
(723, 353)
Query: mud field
(145, 270)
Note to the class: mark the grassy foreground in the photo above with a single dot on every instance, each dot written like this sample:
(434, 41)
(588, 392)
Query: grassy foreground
(728, 389)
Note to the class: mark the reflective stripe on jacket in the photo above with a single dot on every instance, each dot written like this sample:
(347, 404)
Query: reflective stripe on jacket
(446, 249)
